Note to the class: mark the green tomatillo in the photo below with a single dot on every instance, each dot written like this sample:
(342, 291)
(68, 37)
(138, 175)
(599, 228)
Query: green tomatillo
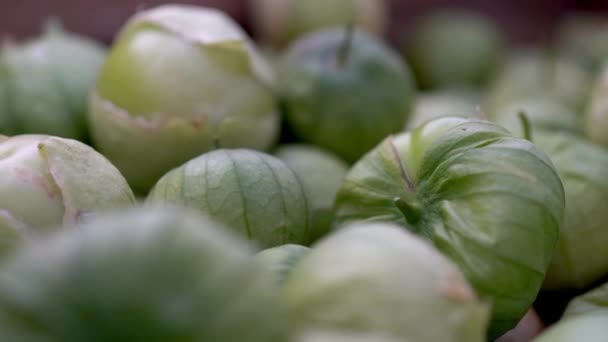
(321, 174)
(49, 181)
(596, 117)
(278, 262)
(540, 74)
(437, 104)
(250, 192)
(278, 22)
(452, 48)
(45, 82)
(178, 79)
(344, 91)
(380, 282)
(581, 256)
(153, 275)
(489, 201)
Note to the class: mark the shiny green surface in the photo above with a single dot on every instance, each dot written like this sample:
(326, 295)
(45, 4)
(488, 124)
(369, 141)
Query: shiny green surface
(491, 202)
(345, 102)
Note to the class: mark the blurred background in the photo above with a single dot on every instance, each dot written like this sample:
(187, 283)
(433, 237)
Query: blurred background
(522, 21)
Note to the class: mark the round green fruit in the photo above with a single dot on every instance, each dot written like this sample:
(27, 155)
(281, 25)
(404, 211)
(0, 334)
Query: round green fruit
(536, 74)
(251, 192)
(489, 201)
(143, 275)
(321, 174)
(344, 91)
(596, 117)
(177, 80)
(437, 104)
(45, 83)
(378, 279)
(543, 114)
(49, 181)
(280, 261)
(453, 49)
(580, 258)
(278, 22)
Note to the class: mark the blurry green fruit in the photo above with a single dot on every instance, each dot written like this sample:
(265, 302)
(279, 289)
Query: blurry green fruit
(178, 79)
(279, 261)
(251, 192)
(534, 74)
(153, 275)
(321, 174)
(582, 36)
(278, 22)
(45, 83)
(434, 105)
(544, 114)
(49, 181)
(588, 328)
(378, 279)
(451, 48)
(489, 201)
(581, 256)
(344, 91)
(596, 117)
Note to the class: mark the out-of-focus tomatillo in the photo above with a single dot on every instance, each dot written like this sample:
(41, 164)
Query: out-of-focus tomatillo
(344, 91)
(453, 48)
(45, 83)
(49, 181)
(538, 74)
(437, 104)
(581, 256)
(321, 174)
(178, 79)
(278, 262)
(491, 202)
(153, 275)
(377, 280)
(596, 117)
(251, 192)
(278, 22)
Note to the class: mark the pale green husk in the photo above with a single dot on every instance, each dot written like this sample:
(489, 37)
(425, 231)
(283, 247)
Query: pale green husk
(491, 202)
(379, 281)
(143, 275)
(251, 192)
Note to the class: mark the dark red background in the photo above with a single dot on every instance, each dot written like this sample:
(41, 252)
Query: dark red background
(524, 21)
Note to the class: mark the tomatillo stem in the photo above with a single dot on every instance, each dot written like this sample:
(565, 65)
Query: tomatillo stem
(411, 208)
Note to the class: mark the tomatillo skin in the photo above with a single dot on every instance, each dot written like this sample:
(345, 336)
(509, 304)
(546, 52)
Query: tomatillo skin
(278, 22)
(48, 181)
(490, 202)
(454, 48)
(344, 91)
(151, 274)
(588, 328)
(530, 73)
(321, 174)
(279, 261)
(596, 116)
(45, 83)
(248, 191)
(377, 279)
(580, 258)
(178, 80)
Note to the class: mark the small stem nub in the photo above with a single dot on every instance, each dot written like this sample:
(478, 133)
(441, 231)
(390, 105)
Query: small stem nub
(411, 209)
(216, 143)
(525, 124)
(345, 46)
